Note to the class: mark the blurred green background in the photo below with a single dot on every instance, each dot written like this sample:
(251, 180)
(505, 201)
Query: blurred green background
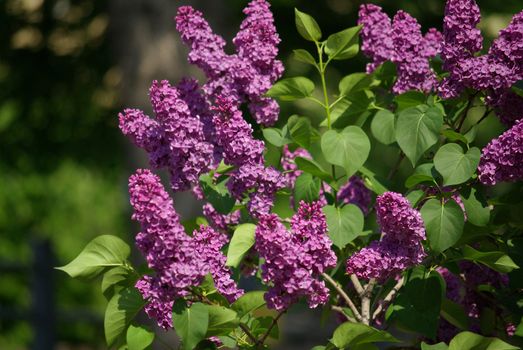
(66, 69)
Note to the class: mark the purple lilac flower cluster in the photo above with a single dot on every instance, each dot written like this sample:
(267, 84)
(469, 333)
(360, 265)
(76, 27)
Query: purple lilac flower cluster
(402, 43)
(502, 159)
(175, 139)
(401, 242)
(234, 136)
(179, 261)
(294, 259)
(246, 75)
(355, 192)
(463, 289)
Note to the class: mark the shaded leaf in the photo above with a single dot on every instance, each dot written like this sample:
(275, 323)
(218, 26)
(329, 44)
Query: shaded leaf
(241, 241)
(443, 222)
(345, 224)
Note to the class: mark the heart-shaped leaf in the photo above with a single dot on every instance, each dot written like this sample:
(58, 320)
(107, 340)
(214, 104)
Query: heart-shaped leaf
(444, 223)
(454, 165)
(345, 224)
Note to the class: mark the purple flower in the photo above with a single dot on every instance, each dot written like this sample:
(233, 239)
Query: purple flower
(402, 43)
(355, 192)
(295, 259)
(502, 159)
(179, 261)
(221, 222)
(411, 54)
(376, 35)
(400, 245)
(246, 75)
(507, 104)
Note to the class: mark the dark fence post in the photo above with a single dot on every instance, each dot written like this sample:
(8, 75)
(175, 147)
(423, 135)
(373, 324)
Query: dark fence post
(43, 317)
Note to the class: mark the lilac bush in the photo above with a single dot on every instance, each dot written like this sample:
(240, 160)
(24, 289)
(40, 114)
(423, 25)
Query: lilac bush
(426, 252)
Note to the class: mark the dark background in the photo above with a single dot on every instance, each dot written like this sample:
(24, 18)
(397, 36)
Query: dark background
(66, 69)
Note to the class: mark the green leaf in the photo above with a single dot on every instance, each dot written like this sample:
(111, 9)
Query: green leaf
(438, 346)
(422, 173)
(417, 129)
(409, 99)
(477, 213)
(291, 89)
(455, 136)
(307, 26)
(102, 252)
(345, 224)
(349, 148)
(300, 130)
(350, 335)
(242, 240)
(454, 314)
(354, 82)
(217, 193)
(249, 302)
(443, 223)
(372, 182)
(343, 45)
(472, 341)
(261, 325)
(349, 109)
(139, 337)
(382, 127)
(221, 320)
(417, 306)
(313, 168)
(113, 280)
(496, 260)
(190, 323)
(275, 137)
(455, 166)
(414, 197)
(304, 56)
(120, 311)
(306, 188)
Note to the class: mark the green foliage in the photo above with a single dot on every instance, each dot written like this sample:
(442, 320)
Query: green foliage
(343, 45)
(351, 335)
(497, 261)
(306, 188)
(348, 148)
(291, 89)
(216, 193)
(417, 129)
(444, 223)
(120, 311)
(345, 223)
(307, 26)
(382, 127)
(191, 323)
(99, 254)
(248, 303)
(139, 338)
(454, 165)
(477, 212)
(241, 241)
(472, 341)
(418, 304)
(221, 320)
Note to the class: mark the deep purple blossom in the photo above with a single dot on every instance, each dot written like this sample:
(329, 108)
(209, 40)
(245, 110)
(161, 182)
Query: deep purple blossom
(507, 104)
(295, 259)
(402, 43)
(179, 261)
(246, 75)
(400, 245)
(502, 159)
(355, 192)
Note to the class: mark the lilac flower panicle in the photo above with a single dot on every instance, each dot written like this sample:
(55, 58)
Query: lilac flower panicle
(245, 76)
(400, 246)
(355, 192)
(502, 159)
(402, 43)
(376, 33)
(179, 261)
(507, 104)
(295, 259)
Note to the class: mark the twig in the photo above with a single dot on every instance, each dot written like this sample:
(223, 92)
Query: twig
(274, 322)
(388, 298)
(365, 301)
(246, 330)
(340, 310)
(344, 295)
(466, 111)
(357, 285)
